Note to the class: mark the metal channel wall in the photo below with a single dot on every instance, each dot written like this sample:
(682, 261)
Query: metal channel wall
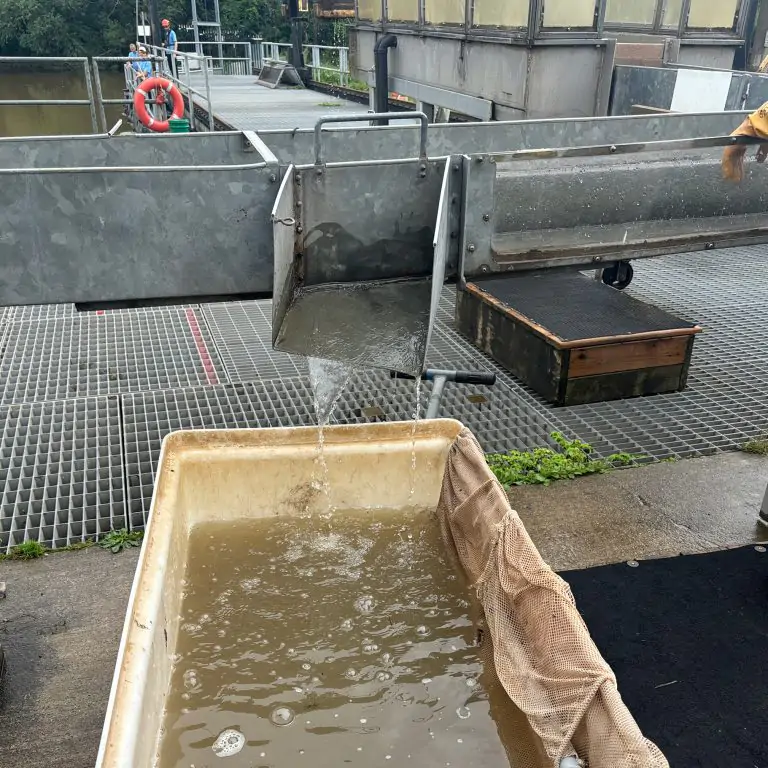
(102, 219)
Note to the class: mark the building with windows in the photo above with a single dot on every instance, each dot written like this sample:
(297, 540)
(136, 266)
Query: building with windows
(513, 59)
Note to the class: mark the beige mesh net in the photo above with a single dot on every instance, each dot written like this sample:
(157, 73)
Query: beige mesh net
(558, 695)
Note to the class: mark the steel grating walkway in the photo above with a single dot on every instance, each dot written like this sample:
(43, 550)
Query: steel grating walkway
(86, 400)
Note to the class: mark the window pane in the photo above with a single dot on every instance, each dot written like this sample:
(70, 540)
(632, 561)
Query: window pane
(403, 10)
(633, 11)
(501, 13)
(672, 13)
(712, 14)
(569, 13)
(444, 11)
(369, 10)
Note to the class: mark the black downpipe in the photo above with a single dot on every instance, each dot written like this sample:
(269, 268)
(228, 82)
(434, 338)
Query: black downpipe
(383, 44)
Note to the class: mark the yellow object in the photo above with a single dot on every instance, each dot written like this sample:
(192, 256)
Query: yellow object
(756, 126)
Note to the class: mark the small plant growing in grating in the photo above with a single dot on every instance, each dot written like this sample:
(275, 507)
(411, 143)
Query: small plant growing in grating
(120, 540)
(758, 446)
(541, 466)
(28, 550)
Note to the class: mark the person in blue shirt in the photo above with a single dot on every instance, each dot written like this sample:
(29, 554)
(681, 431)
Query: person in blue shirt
(143, 65)
(171, 45)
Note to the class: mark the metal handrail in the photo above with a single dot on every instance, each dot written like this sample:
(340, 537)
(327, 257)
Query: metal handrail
(89, 102)
(604, 150)
(135, 169)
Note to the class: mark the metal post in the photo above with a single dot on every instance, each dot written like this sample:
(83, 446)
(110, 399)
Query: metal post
(217, 17)
(433, 409)
(89, 89)
(344, 65)
(316, 64)
(189, 94)
(211, 126)
(196, 29)
(99, 97)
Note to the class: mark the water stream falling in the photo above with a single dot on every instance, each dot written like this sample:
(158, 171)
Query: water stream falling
(328, 379)
(416, 416)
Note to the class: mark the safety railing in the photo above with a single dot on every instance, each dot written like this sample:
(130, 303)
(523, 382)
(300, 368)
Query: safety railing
(332, 59)
(190, 62)
(89, 102)
(131, 81)
(224, 57)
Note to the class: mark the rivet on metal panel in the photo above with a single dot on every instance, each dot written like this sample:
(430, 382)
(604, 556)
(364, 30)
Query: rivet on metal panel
(486, 217)
(299, 229)
(456, 168)
(484, 268)
(479, 159)
(272, 178)
(471, 248)
(613, 148)
(319, 171)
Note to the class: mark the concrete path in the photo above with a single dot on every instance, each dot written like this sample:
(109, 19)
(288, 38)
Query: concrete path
(63, 616)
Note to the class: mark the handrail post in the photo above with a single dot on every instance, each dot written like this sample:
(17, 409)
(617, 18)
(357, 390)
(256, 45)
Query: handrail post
(91, 101)
(99, 94)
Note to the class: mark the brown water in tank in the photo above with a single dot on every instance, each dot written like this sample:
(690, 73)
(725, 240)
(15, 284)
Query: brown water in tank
(345, 640)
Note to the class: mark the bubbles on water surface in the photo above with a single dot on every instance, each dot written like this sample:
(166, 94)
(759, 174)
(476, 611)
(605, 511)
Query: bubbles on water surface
(463, 713)
(190, 679)
(282, 716)
(228, 743)
(306, 667)
(471, 682)
(350, 674)
(422, 631)
(365, 604)
(382, 677)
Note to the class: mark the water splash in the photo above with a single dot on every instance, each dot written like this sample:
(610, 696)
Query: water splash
(328, 380)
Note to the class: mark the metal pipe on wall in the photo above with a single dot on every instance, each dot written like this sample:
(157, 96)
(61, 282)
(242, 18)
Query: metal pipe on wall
(380, 53)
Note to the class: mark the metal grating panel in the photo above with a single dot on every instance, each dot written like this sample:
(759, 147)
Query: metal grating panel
(148, 417)
(61, 471)
(106, 354)
(243, 335)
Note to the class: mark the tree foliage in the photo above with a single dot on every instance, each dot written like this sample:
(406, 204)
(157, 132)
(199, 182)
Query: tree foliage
(106, 27)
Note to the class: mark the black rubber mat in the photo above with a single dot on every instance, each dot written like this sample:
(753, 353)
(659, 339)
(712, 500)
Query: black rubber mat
(573, 307)
(687, 639)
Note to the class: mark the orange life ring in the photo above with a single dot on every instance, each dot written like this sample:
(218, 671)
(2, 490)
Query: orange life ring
(140, 103)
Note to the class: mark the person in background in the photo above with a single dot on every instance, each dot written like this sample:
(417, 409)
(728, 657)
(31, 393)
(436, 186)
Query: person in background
(132, 67)
(171, 45)
(756, 127)
(143, 65)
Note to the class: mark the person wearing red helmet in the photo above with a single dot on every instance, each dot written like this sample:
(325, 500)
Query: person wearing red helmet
(170, 44)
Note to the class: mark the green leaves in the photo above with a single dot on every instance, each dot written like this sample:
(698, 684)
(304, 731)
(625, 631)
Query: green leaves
(570, 459)
(117, 541)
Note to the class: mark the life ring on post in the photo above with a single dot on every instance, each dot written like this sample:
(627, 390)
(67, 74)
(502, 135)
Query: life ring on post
(140, 103)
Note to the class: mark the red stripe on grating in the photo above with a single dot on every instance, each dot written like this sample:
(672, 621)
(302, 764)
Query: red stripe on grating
(202, 347)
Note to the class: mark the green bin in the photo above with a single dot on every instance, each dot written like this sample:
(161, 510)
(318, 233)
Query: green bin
(179, 125)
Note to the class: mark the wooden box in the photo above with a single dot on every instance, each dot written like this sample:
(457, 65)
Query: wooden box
(574, 340)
